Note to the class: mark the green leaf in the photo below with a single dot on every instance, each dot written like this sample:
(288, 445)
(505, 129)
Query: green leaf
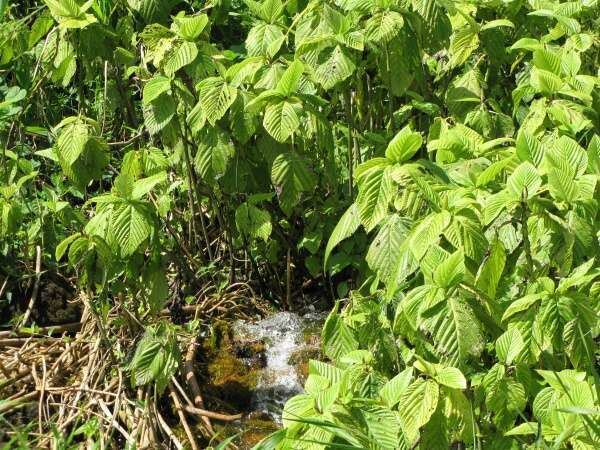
(338, 338)
(522, 304)
(566, 154)
(328, 371)
(253, 221)
(158, 114)
(346, 227)
(497, 23)
(382, 424)
(495, 204)
(190, 27)
(213, 154)
(289, 81)
(156, 358)
(451, 271)
(561, 184)
(529, 148)
(509, 346)
(427, 233)
(71, 142)
(81, 155)
(455, 330)
(375, 191)
(129, 226)
(282, 118)
(545, 82)
(337, 67)
(389, 255)
(155, 87)
(61, 248)
(404, 145)
(491, 270)
(216, 96)
(143, 186)
(291, 175)
(451, 377)
(157, 288)
(464, 42)
(548, 60)
(264, 40)
(523, 429)
(524, 182)
(417, 404)
(152, 10)
(383, 26)
(392, 391)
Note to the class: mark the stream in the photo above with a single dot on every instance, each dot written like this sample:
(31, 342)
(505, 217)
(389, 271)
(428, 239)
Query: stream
(262, 365)
(282, 334)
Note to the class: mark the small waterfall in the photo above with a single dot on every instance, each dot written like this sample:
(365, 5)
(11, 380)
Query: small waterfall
(282, 334)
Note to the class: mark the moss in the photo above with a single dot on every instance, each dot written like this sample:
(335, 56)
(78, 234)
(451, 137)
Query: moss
(299, 359)
(233, 368)
(219, 336)
(231, 380)
(255, 430)
(250, 431)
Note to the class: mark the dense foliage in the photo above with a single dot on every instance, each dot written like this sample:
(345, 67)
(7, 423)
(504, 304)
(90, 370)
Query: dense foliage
(456, 146)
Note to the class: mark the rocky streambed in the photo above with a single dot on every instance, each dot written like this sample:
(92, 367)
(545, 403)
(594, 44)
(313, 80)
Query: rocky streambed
(255, 367)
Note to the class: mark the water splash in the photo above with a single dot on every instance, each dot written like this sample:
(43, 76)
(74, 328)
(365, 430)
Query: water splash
(282, 334)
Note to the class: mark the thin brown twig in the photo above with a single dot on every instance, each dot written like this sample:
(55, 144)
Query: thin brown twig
(36, 285)
(184, 422)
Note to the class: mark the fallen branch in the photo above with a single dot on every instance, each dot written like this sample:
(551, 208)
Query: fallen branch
(213, 415)
(192, 382)
(19, 342)
(17, 402)
(43, 331)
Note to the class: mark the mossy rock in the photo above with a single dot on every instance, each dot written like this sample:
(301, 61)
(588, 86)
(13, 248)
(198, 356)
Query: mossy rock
(300, 358)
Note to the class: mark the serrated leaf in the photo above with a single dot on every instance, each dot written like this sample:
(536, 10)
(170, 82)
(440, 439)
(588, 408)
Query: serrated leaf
(264, 40)
(346, 227)
(509, 345)
(337, 67)
(155, 87)
(291, 175)
(338, 338)
(216, 96)
(524, 182)
(451, 271)
(144, 185)
(389, 255)
(190, 27)
(253, 221)
(383, 26)
(282, 118)
(404, 145)
(129, 226)
(392, 391)
(451, 377)
(455, 330)
(159, 113)
(417, 404)
(375, 191)
(464, 42)
(288, 83)
(491, 270)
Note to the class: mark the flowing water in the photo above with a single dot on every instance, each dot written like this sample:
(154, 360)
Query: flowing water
(283, 335)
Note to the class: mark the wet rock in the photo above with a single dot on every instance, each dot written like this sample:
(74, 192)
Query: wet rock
(255, 367)
(289, 341)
